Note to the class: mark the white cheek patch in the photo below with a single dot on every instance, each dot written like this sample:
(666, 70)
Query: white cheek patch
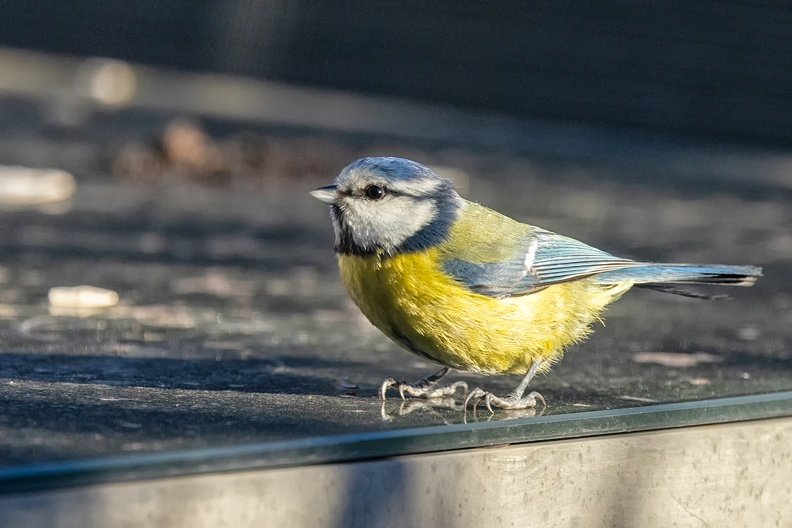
(388, 223)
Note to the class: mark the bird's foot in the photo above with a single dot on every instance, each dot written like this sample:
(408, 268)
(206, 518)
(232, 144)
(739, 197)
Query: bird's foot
(426, 388)
(513, 401)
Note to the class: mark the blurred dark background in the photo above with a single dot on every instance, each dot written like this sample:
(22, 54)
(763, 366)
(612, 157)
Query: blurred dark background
(709, 69)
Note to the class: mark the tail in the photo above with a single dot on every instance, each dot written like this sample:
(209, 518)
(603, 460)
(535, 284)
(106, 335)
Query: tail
(662, 277)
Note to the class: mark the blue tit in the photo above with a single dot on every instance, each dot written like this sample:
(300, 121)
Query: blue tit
(471, 289)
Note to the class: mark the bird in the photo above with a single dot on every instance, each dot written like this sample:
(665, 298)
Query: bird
(471, 289)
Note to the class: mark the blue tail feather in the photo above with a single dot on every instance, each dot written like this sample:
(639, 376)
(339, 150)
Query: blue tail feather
(683, 274)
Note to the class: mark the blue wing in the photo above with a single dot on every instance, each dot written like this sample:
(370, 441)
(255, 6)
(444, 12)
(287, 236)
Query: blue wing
(541, 259)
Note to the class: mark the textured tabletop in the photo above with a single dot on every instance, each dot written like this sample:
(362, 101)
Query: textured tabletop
(234, 344)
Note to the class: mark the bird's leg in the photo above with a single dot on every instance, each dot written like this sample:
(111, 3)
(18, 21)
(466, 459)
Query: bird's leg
(515, 399)
(424, 388)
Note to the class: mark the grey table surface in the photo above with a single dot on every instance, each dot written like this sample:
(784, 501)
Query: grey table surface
(234, 344)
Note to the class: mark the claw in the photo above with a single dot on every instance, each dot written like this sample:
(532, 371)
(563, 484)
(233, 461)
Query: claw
(511, 402)
(425, 388)
(476, 394)
(515, 400)
(386, 384)
(488, 401)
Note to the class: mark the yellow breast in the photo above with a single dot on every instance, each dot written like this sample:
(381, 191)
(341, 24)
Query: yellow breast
(411, 300)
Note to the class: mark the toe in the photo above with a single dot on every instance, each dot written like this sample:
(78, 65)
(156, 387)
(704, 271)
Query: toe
(386, 384)
(488, 401)
(536, 396)
(475, 394)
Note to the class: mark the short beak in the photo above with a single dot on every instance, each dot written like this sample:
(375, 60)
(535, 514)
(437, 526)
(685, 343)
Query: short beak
(326, 194)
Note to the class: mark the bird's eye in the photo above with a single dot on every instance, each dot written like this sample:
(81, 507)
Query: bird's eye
(374, 192)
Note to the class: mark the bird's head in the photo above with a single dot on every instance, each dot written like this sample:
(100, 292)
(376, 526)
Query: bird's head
(389, 206)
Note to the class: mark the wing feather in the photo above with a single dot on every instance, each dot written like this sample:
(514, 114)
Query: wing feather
(542, 259)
